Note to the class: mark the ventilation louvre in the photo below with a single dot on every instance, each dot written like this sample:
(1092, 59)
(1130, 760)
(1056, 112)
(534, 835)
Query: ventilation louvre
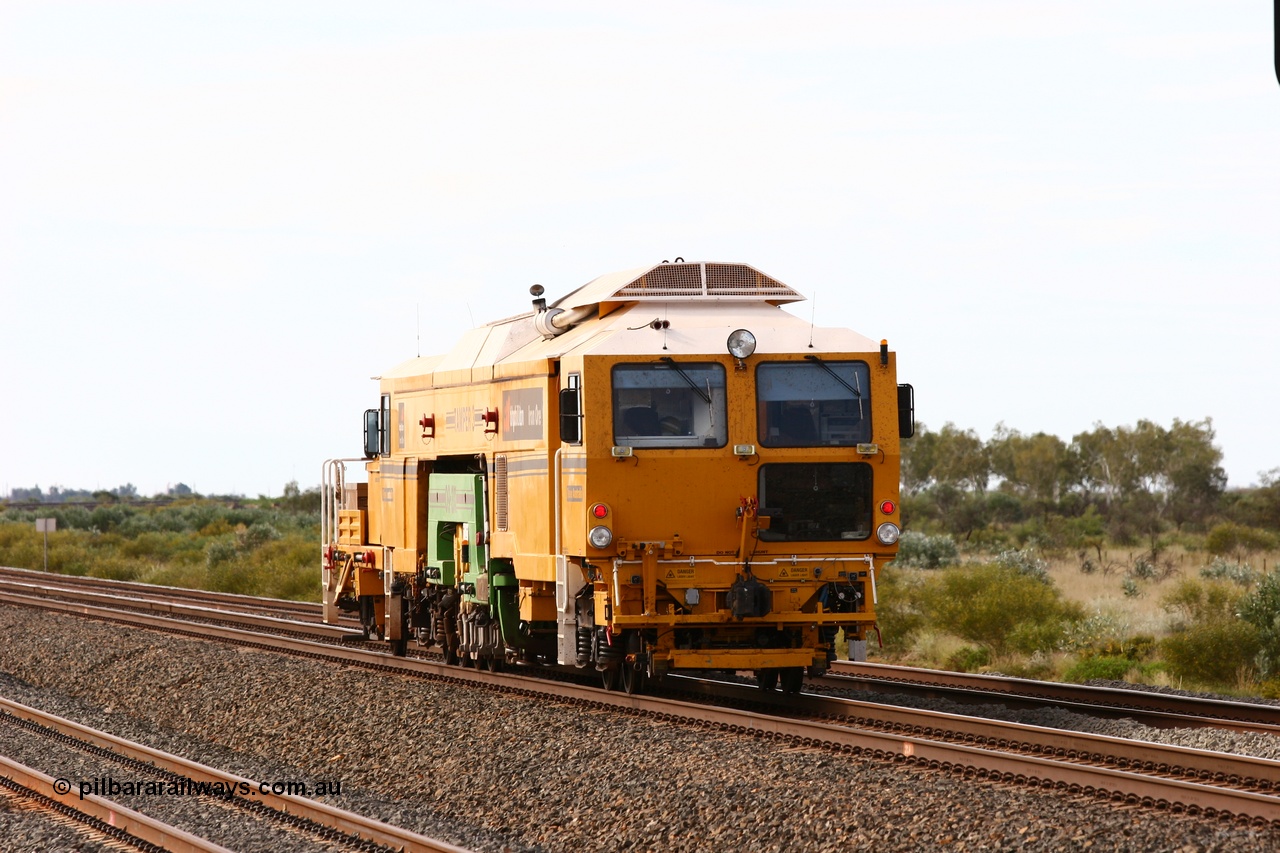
(734, 281)
(500, 515)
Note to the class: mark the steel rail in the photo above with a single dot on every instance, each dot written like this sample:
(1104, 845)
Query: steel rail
(1041, 771)
(253, 602)
(319, 813)
(991, 688)
(1262, 774)
(315, 629)
(104, 816)
(1094, 701)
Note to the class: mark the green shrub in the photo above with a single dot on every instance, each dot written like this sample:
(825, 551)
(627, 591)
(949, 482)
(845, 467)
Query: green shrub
(1221, 569)
(988, 604)
(1032, 637)
(1099, 669)
(1228, 538)
(1210, 644)
(898, 614)
(921, 551)
(1025, 562)
(221, 550)
(1260, 609)
(1215, 653)
(1099, 630)
(969, 659)
(1192, 602)
(1144, 569)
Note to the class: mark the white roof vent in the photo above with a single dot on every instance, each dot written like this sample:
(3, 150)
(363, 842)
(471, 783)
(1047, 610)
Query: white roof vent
(665, 282)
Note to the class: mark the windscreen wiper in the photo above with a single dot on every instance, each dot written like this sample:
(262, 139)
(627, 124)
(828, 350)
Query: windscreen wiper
(836, 376)
(706, 398)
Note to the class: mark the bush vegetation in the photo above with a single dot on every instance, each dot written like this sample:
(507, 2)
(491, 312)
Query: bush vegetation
(268, 546)
(1154, 570)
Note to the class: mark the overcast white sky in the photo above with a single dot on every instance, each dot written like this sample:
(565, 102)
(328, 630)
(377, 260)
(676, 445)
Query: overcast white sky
(217, 219)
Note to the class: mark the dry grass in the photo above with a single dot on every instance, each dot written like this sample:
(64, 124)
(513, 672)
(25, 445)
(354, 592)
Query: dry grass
(1104, 588)
(1120, 604)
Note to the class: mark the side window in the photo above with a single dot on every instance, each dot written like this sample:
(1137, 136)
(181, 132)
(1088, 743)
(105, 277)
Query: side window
(669, 404)
(813, 403)
(571, 410)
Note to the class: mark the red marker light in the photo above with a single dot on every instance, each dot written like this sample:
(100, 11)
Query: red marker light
(887, 507)
(599, 510)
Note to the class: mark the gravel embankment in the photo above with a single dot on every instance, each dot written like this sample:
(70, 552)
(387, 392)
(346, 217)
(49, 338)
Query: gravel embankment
(497, 773)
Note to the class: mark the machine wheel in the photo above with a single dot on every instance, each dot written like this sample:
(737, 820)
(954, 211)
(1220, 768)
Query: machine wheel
(632, 679)
(493, 663)
(792, 679)
(609, 678)
(767, 679)
(399, 648)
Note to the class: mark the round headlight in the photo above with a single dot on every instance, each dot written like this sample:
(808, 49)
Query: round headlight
(741, 343)
(888, 533)
(600, 537)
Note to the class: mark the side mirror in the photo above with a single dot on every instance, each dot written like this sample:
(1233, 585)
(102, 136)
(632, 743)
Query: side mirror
(372, 433)
(906, 411)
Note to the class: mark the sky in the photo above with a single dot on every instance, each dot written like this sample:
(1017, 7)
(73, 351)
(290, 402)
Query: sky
(218, 220)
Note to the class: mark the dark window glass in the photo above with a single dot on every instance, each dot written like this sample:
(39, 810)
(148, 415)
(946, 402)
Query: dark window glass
(813, 404)
(669, 405)
(816, 502)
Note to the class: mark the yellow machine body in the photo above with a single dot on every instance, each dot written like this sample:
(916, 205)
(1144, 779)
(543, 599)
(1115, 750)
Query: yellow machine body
(748, 502)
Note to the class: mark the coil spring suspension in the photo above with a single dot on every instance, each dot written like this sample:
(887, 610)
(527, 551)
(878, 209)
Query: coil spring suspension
(584, 646)
(607, 656)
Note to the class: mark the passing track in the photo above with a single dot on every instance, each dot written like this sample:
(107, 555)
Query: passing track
(1165, 777)
(298, 813)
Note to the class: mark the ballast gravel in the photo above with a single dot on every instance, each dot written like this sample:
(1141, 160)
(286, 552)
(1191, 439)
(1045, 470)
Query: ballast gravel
(493, 772)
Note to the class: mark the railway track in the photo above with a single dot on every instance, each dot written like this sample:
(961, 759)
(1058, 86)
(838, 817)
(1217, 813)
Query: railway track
(97, 819)
(305, 611)
(236, 808)
(1157, 709)
(1165, 777)
(302, 619)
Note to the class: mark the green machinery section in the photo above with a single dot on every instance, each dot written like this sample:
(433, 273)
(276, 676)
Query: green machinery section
(458, 545)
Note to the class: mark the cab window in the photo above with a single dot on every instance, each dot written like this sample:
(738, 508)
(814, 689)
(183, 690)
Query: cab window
(669, 404)
(813, 403)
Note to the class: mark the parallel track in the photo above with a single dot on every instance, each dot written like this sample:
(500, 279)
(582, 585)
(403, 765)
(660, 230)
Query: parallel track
(1174, 778)
(1158, 710)
(1153, 708)
(96, 817)
(299, 814)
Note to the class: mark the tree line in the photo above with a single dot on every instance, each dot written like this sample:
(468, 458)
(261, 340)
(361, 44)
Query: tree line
(1130, 484)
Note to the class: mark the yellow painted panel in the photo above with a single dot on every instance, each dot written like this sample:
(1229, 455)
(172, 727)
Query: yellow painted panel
(536, 567)
(351, 526)
(375, 504)
(754, 659)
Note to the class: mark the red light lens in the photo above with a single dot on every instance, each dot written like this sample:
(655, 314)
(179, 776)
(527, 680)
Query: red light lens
(887, 507)
(599, 510)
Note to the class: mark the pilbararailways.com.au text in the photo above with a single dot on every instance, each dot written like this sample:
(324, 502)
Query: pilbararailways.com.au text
(109, 786)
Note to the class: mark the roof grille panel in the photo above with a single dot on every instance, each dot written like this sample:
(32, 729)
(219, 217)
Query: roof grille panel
(742, 280)
(733, 281)
(667, 280)
(724, 282)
